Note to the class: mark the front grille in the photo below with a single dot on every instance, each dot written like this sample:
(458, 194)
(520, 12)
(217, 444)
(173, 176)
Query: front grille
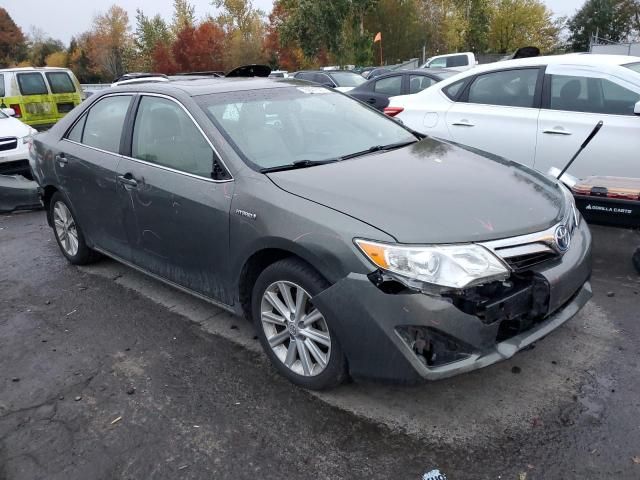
(8, 143)
(521, 263)
(65, 107)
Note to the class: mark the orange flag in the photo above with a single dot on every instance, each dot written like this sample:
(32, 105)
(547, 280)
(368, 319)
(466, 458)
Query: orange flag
(378, 38)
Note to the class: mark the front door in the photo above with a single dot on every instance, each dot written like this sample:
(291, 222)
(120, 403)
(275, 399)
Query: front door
(86, 163)
(576, 99)
(499, 114)
(177, 218)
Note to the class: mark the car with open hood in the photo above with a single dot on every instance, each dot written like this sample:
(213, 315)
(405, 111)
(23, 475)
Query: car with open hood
(355, 246)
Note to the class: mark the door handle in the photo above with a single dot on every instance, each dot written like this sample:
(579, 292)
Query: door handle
(463, 123)
(61, 159)
(127, 180)
(557, 131)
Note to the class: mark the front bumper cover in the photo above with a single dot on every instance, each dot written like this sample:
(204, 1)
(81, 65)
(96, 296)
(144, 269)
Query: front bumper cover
(367, 321)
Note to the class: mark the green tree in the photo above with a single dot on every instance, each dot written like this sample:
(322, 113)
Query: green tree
(244, 29)
(402, 27)
(112, 45)
(40, 46)
(612, 20)
(183, 16)
(520, 23)
(477, 14)
(13, 46)
(148, 34)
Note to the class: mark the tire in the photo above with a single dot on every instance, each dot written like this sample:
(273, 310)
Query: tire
(68, 233)
(291, 338)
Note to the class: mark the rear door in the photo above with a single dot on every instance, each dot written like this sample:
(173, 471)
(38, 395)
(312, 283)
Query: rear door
(36, 102)
(86, 165)
(64, 92)
(575, 99)
(177, 215)
(498, 113)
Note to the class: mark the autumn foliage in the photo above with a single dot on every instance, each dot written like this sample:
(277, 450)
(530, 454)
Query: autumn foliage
(198, 49)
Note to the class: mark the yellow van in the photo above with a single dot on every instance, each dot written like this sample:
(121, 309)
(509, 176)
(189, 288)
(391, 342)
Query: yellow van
(39, 96)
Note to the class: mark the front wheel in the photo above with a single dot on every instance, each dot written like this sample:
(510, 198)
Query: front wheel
(296, 336)
(68, 233)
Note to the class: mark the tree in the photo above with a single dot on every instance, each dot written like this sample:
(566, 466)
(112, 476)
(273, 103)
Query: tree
(478, 15)
(200, 49)
(13, 47)
(112, 42)
(149, 33)
(183, 16)
(520, 23)
(57, 59)
(40, 46)
(611, 20)
(163, 61)
(279, 55)
(244, 31)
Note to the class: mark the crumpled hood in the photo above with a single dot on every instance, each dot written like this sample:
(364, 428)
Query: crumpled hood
(433, 192)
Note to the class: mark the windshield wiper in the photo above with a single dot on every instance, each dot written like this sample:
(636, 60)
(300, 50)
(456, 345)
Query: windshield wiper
(299, 164)
(379, 148)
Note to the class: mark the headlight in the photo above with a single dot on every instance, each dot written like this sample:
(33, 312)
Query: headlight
(448, 266)
(570, 201)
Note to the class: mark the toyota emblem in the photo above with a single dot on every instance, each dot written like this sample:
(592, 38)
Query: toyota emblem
(562, 238)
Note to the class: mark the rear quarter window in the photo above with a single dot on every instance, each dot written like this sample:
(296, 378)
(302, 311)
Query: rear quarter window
(32, 84)
(60, 82)
(453, 90)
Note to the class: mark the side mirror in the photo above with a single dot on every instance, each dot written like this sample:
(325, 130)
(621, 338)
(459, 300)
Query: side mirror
(12, 113)
(328, 85)
(636, 110)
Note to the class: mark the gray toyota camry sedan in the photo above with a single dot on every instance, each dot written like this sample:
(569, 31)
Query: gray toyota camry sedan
(356, 247)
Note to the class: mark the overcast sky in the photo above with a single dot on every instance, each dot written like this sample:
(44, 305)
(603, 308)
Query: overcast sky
(63, 18)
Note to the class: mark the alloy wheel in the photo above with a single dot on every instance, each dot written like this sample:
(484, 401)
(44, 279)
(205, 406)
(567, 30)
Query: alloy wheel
(296, 331)
(66, 229)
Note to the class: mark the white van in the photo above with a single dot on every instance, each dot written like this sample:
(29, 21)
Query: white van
(453, 61)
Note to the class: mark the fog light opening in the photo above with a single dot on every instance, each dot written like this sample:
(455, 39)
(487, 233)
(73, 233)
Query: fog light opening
(432, 347)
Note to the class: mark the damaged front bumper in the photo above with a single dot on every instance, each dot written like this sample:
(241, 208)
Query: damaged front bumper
(402, 335)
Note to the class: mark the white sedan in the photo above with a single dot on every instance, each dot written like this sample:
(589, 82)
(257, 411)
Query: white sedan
(14, 144)
(538, 111)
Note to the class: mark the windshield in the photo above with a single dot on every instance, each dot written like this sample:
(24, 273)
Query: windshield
(634, 66)
(279, 126)
(347, 79)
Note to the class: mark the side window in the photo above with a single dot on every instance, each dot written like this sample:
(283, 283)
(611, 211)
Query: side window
(104, 123)
(1, 85)
(512, 88)
(591, 95)
(322, 79)
(617, 99)
(60, 82)
(32, 84)
(417, 83)
(75, 135)
(438, 63)
(453, 90)
(391, 86)
(165, 135)
(457, 61)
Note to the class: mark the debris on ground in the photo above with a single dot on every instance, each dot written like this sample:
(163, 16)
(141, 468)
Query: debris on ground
(78, 398)
(115, 420)
(636, 459)
(611, 294)
(131, 390)
(516, 370)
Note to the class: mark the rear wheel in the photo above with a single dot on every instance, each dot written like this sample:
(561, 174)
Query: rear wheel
(296, 336)
(68, 233)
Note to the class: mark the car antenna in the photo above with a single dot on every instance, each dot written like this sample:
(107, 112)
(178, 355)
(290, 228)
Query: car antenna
(591, 136)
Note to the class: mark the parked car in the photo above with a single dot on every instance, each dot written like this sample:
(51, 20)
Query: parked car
(14, 148)
(39, 96)
(279, 74)
(341, 80)
(353, 246)
(538, 111)
(376, 92)
(452, 61)
(376, 72)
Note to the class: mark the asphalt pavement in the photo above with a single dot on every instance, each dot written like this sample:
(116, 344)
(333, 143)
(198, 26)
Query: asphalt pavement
(107, 374)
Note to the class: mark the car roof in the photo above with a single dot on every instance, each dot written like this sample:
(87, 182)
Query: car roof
(205, 86)
(33, 69)
(568, 59)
